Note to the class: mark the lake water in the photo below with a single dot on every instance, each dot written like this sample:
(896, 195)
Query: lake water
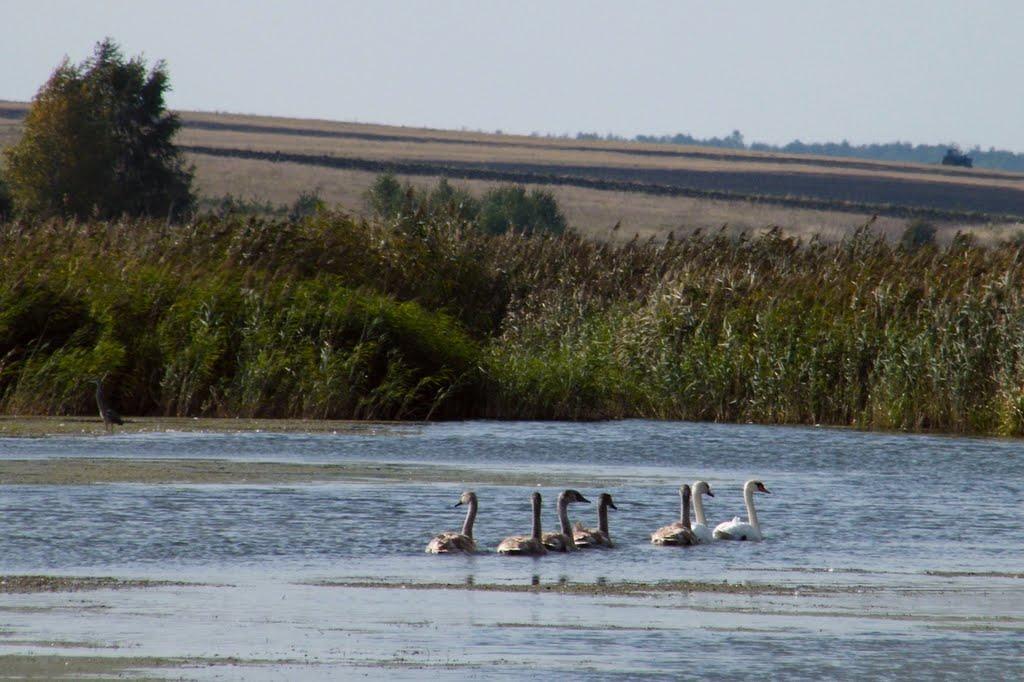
(909, 550)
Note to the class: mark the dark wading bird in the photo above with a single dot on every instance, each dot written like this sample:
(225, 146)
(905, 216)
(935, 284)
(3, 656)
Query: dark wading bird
(108, 414)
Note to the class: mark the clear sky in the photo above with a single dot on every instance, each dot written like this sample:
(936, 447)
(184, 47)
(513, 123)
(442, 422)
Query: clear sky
(932, 71)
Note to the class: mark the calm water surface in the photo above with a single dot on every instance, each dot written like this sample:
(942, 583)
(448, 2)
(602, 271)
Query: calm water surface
(923, 535)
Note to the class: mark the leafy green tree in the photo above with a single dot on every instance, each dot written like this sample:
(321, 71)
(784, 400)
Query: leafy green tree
(504, 208)
(511, 208)
(449, 199)
(955, 157)
(98, 142)
(387, 197)
(307, 204)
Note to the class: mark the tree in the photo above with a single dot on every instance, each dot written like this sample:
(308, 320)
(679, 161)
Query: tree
(5, 200)
(387, 197)
(448, 199)
(510, 207)
(918, 234)
(307, 204)
(955, 157)
(98, 142)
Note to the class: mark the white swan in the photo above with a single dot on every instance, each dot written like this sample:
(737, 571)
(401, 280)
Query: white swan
(450, 541)
(700, 529)
(738, 529)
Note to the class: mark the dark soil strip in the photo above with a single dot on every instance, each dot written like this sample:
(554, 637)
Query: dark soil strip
(592, 589)
(858, 164)
(548, 145)
(21, 584)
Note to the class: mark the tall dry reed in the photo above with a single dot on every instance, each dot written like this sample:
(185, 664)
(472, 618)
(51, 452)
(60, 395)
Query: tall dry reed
(427, 316)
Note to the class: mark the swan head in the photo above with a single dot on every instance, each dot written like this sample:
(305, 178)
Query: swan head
(757, 486)
(570, 496)
(702, 488)
(467, 497)
(606, 500)
(535, 498)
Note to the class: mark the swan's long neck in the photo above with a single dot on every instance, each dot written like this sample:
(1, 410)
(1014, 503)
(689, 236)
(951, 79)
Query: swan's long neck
(563, 519)
(684, 511)
(686, 507)
(602, 517)
(536, 518)
(467, 525)
(748, 498)
(698, 510)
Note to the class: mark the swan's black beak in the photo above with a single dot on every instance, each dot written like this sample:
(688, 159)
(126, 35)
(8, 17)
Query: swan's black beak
(583, 499)
(457, 504)
(710, 494)
(612, 505)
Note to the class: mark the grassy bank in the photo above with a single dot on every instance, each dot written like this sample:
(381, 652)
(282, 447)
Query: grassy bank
(427, 317)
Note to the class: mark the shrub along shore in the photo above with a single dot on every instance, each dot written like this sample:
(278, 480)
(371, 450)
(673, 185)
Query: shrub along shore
(425, 316)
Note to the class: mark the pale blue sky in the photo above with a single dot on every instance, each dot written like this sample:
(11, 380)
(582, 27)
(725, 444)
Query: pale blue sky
(866, 70)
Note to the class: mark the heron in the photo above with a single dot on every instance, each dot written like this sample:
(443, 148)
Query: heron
(109, 415)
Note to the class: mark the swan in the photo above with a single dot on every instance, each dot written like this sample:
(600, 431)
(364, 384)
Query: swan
(737, 529)
(450, 541)
(526, 545)
(562, 540)
(700, 529)
(678, 533)
(596, 537)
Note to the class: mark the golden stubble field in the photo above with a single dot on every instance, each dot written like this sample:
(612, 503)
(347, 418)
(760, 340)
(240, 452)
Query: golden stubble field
(592, 211)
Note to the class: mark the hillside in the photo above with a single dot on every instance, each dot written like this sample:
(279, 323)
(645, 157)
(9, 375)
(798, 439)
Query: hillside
(648, 189)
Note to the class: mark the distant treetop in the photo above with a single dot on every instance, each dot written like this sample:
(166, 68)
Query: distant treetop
(955, 157)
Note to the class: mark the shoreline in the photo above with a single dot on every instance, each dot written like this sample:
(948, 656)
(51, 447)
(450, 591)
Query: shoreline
(43, 426)
(153, 471)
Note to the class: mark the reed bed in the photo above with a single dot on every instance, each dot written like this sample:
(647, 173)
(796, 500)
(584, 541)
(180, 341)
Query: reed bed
(425, 316)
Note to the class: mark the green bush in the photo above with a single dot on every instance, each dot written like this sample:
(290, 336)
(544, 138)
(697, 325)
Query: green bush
(499, 210)
(917, 234)
(307, 204)
(387, 198)
(6, 203)
(511, 208)
(330, 316)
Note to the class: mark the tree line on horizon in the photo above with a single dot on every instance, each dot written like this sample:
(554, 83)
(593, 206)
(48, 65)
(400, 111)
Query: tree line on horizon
(992, 158)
